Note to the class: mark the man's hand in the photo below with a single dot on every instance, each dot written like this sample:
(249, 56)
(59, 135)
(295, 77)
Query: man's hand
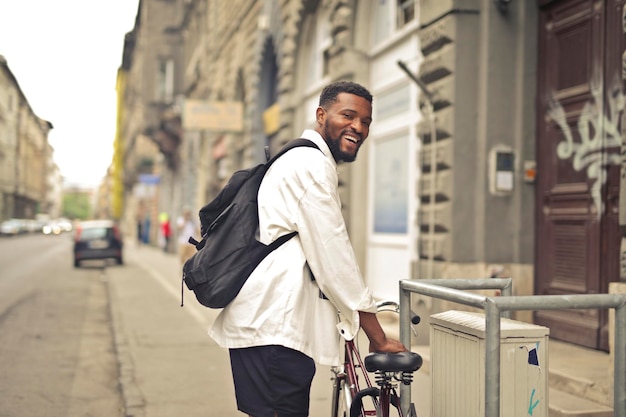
(379, 342)
(391, 346)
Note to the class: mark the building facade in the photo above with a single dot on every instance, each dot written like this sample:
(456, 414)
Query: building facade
(495, 148)
(146, 159)
(29, 178)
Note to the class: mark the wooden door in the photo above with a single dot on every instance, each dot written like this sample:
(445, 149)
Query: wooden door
(580, 103)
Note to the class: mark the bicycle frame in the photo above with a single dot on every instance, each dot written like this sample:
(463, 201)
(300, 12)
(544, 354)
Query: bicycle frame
(350, 377)
(346, 380)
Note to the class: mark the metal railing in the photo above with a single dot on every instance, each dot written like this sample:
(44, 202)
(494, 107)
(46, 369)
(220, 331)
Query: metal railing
(495, 308)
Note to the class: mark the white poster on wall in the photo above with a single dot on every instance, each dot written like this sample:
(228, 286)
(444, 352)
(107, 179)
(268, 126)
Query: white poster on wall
(391, 186)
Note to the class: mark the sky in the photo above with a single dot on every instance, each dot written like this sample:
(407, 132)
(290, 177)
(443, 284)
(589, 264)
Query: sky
(65, 55)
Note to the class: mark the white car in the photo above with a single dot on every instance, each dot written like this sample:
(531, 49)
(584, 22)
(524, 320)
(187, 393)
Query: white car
(12, 227)
(52, 228)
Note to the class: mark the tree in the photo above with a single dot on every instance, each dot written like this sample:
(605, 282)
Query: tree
(76, 205)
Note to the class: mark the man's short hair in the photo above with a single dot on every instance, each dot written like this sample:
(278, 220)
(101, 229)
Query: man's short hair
(331, 91)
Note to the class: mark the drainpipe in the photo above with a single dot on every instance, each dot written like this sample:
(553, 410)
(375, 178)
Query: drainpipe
(430, 112)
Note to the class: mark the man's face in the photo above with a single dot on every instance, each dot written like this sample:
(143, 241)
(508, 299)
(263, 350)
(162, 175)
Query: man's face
(345, 125)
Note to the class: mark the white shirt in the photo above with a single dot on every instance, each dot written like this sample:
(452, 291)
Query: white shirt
(186, 229)
(280, 303)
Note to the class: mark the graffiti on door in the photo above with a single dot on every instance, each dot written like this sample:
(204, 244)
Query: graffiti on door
(600, 136)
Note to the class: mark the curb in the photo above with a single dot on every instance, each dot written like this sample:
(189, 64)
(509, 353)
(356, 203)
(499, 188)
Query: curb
(132, 398)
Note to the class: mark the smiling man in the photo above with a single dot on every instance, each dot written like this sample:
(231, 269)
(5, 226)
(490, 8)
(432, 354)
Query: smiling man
(307, 294)
(343, 118)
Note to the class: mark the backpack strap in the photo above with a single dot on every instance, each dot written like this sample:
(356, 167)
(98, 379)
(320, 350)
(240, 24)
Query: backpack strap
(275, 244)
(295, 143)
(289, 145)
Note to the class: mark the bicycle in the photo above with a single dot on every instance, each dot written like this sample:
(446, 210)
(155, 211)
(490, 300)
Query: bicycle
(389, 368)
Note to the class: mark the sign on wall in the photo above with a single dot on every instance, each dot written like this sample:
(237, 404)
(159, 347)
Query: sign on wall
(271, 119)
(216, 116)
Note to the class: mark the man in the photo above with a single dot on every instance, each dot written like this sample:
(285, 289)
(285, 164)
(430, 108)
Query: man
(304, 295)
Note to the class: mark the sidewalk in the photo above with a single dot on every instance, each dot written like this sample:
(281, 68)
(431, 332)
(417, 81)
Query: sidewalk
(170, 367)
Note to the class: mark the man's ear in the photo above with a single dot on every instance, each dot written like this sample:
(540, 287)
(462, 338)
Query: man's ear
(320, 116)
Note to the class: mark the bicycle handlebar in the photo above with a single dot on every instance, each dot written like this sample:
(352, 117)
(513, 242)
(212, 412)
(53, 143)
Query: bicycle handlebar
(395, 307)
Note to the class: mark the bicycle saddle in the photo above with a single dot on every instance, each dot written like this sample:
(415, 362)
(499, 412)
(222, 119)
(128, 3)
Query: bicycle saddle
(393, 362)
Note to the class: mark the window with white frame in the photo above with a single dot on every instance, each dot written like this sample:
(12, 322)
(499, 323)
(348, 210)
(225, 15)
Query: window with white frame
(319, 42)
(390, 16)
(405, 12)
(392, 102)
(165, 80)
(391, 160)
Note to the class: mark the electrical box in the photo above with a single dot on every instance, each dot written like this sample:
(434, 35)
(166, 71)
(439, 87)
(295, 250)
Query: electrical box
(457, 349)
(501, 169)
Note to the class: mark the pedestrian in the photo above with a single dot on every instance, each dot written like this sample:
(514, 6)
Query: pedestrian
(166, 231)
(146, 229)
(139, 230)
(305, 295)
(186, 228)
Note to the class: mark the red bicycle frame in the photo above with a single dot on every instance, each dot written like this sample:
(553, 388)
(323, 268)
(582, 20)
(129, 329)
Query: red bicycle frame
(353, 362)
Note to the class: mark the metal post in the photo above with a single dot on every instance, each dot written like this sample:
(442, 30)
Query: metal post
(492, 359)
(449, 294)
(503, 284)
(619, 363)
(507, 290)
(405, 338)
(495, 307)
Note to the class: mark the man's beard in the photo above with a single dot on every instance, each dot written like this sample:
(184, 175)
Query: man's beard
(334, 144)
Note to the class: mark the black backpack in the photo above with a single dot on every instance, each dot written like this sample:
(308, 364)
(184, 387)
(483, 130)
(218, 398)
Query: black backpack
(229, 250)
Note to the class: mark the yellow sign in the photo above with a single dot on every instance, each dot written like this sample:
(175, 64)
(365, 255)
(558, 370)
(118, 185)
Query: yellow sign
(271, 119)
(216, 116)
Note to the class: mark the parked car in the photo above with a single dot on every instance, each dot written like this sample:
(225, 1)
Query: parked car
(65, 224)
(51, 228)
(12, 227)
(57, 226)
(97, 239)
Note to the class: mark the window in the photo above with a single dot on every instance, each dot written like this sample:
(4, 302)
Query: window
(389, 16)
(391, 185)
(405, 12)
(165, 80)
(318, 43)
(381, 15)
(393, 102)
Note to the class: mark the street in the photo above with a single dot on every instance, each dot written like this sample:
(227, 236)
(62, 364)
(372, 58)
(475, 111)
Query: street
(56, 355)
(108, 340)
